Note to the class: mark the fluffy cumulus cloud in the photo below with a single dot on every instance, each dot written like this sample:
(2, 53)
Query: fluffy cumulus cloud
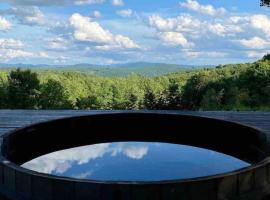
(174, 39)
(30, 15)
(261, 22)
(11, 49)
(4, 24)
(125, 13)
(117, 2)
(255, 54)
(9, 54)
(7, 43)
(62, 161)
(87, 30)
(182, 23)
(202, 30)
(218, 29)
(170, 30)
(34, 2)
(242, 32)
(83, 2)
(204, 9)
(189, 24)
(223, 30)
(134, 152)
(255, 43)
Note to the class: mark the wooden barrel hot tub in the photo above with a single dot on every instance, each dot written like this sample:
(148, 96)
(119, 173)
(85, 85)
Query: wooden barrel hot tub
(243, 142)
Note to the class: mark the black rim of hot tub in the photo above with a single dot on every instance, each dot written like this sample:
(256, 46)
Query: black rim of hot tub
(8, 163)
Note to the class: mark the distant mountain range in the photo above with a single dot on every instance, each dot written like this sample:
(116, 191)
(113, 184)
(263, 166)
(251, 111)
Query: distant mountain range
(142, 68)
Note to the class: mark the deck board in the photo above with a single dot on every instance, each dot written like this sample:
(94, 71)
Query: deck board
(12, 119)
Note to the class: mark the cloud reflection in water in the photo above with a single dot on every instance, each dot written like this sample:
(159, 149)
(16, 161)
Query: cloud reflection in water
(135, 161)
(60, 161)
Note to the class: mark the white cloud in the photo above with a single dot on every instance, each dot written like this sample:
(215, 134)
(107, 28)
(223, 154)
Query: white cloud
(182, 23)
(125, 13)
(96, 14)
(239, 19)
(34, 2)
(60, 28)
(251, 32)
(204, 9)
(174, 39)
(87, 30)
(261, 22)
(196, 54)
(170, 29)
(7, 43)
(117, 2)
(49, 2)
(4, 24)
(125, 42)
(61, 161)
(61, 59)
(43, 54)
(134, 152)
(255, 54)
(255, 43)
(9, 54)
(30, 15)
(161, 24)
(83, 2)
(57, 43)
(223, 29)
(84, 175)
(218, 29)
(193, 26)
(11, 49)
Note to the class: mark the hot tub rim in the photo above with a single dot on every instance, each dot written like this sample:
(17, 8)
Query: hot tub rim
(6, 163)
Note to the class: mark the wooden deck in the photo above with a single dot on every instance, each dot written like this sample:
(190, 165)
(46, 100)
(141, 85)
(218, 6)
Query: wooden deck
(12, 119)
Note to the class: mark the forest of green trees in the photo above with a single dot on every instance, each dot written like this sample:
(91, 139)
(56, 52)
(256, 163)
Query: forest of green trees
(227, 87)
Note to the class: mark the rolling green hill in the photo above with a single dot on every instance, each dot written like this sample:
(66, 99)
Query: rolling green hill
(119, 70)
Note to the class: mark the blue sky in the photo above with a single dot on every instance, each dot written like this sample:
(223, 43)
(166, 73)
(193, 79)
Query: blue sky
(119, 31)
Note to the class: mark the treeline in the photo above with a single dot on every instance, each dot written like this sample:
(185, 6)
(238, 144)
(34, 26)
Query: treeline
(229, 87)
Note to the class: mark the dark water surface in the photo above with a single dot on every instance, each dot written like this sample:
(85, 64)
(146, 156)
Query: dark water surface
(135, 161)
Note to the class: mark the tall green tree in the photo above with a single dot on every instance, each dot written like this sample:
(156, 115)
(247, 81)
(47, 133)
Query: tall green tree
(150, 100)
(194, 90)
(53, 96)
(3, 94)
(133, 102)
(174, 96)
(23, 89)
(256, 80)
(90, 102)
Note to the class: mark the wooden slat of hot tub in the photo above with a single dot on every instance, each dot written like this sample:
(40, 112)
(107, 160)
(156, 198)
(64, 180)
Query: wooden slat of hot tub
(12, 119)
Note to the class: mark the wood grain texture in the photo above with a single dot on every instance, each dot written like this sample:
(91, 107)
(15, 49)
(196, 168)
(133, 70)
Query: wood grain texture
(13, 119)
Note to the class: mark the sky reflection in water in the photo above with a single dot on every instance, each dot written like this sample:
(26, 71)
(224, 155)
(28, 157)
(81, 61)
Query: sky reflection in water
(135, 161)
